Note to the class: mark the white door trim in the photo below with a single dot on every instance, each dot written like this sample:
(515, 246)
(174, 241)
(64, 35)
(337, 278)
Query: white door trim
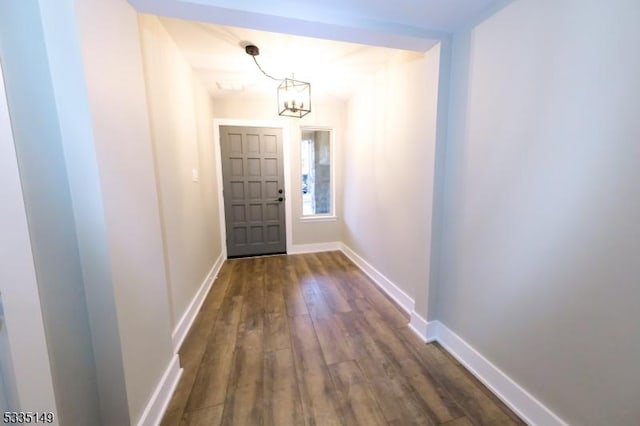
(286, 151)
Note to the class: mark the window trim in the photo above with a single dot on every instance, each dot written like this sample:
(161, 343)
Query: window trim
(323, 217)
(319, 218)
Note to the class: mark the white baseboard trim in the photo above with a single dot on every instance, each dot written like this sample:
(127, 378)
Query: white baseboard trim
(431, 334)
(184, 325)
(418, 325)
(159, 401)
(313, 248)
(524, 404)
(401, 298)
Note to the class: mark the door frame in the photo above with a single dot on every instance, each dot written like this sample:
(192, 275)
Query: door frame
(286, 160)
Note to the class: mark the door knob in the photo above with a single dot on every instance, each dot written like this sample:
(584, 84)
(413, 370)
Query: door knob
(280, 199)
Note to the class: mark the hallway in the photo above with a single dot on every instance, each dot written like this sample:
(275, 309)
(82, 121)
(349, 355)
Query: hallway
(309, 339)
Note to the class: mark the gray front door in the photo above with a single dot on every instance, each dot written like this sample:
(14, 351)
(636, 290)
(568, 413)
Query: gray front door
(253, 182)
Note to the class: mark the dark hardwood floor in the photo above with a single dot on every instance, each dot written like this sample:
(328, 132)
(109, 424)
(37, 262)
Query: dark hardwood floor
(310, 340)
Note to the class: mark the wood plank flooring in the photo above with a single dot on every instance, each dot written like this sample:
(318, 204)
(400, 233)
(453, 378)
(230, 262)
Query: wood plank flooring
(310, 340)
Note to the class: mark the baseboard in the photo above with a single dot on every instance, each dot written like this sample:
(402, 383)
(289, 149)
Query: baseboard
(313, 248)
(419, 326)
(184, 325)
(431, 334)
(401, 298)
(159, 401)
(526, 406)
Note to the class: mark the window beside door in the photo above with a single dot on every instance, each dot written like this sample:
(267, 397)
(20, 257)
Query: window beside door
(316, 153)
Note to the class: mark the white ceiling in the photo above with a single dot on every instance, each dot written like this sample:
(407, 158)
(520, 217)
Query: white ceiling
(214, 32)
(427, 15)
(440, 15)
(217, 55)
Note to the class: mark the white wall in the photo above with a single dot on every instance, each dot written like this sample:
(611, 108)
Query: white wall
(540, 242)
(113, 68)
(74, 119)
(327, 113)
(49, 212)
(25, 368)
(181, 123)
(388, 171)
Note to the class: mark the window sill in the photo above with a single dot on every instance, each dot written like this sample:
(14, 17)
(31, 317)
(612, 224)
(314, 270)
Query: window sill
(311, 219)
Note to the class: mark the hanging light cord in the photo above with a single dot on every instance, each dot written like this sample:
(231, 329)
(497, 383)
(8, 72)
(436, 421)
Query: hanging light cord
(263, 72)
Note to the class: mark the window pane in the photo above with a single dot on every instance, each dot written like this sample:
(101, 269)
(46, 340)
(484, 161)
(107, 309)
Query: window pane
(316, 172)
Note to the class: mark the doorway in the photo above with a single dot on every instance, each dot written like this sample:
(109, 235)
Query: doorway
(253, 183)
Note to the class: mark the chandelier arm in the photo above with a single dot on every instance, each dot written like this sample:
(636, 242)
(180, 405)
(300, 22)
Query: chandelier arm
(263, 72)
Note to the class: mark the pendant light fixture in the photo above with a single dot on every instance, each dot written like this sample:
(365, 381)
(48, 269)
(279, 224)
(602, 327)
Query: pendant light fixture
(294, 96)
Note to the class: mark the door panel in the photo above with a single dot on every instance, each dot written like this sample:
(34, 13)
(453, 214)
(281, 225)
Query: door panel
(253, 182)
